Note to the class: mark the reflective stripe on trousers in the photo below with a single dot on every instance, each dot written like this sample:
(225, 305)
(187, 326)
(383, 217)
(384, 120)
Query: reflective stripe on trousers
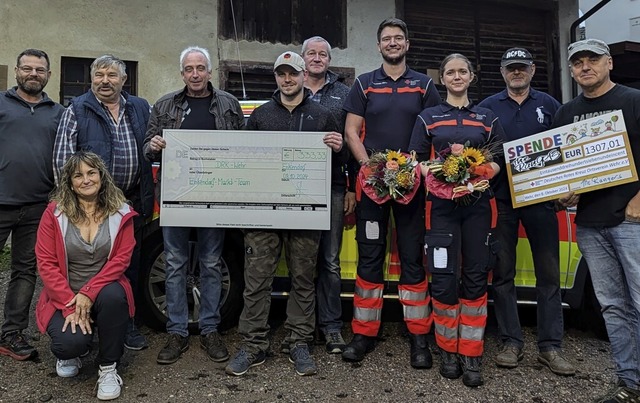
(473, 321)
(415, 301)
(367, 308)
(445, 318)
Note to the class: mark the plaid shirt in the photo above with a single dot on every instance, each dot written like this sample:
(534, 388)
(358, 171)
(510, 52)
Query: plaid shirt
(125, 166)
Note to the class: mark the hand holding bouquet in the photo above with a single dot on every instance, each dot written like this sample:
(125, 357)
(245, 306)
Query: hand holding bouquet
(390, 175)
(459, 171)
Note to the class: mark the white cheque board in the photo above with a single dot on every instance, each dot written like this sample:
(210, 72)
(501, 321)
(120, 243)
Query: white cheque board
(245, 179)
(580, 157)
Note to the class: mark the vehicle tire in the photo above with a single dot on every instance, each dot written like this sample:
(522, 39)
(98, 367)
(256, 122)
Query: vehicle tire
(590, 316)
(591, 312)
(153, 282)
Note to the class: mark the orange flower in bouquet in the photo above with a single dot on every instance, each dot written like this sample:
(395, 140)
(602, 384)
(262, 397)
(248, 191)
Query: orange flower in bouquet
(390, 175)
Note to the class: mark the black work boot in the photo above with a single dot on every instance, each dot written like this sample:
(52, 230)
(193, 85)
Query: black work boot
(471, 370)
(173, 349)
(420, 354)
(359, 346)
(449, 365)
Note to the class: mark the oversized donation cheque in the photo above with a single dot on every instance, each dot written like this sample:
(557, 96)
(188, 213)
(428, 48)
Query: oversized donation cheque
(245, 179)
(580, 157)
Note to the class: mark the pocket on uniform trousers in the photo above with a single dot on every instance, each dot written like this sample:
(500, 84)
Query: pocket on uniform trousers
(493, 246)
(440, 258)
(369, 228)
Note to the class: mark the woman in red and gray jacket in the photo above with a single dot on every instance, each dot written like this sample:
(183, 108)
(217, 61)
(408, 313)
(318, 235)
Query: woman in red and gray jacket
(84, 245)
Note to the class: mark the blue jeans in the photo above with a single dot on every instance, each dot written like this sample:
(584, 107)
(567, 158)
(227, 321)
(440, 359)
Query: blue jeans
(541, 224)
(22, 222)
(614, 264)
(329, 282)
(207, 303)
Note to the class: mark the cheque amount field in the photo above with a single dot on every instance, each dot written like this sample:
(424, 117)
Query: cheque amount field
(303, 154)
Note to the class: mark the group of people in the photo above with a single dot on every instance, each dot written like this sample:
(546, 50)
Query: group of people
(77, 186)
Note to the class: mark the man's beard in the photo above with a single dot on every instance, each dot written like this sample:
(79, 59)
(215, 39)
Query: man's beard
(295, 92)
(395, 60)
(31, 87)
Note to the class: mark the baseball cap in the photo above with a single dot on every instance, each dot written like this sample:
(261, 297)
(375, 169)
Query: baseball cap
(290, 59)
(516, 56)
(588, 45)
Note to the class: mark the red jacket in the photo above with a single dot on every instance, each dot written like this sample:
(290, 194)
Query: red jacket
(52, 263)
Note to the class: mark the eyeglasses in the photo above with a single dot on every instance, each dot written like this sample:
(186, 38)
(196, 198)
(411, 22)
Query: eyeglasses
(397, 38)
(28, 70)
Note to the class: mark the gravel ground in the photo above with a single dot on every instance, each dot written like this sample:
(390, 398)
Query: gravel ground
(384, 376)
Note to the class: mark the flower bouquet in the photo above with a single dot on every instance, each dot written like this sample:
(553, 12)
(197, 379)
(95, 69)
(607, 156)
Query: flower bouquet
(390, 175)
(459, 171)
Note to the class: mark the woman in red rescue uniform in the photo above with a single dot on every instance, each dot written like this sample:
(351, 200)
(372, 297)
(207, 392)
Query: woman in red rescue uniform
(459, 242)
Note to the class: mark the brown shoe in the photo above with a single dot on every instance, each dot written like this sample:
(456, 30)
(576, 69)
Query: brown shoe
(556, 363)
(509, 356)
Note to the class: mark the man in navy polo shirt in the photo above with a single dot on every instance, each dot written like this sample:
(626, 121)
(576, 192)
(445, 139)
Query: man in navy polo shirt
(382, 107)
(523, 111)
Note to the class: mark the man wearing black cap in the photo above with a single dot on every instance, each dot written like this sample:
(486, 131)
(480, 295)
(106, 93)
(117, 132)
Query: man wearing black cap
(608, 220)
(524, 111)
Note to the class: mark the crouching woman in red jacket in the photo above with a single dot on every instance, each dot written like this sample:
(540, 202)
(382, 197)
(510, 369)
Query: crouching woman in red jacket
(84, 245)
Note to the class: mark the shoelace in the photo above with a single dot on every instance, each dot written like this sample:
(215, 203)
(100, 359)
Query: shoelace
(109, 378)
(214, 340)
(334, 338)
(175, 342)
(242, 356)
(18, 340)
(301, 353)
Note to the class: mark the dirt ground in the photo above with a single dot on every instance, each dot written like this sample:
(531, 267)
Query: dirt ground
(384, 376)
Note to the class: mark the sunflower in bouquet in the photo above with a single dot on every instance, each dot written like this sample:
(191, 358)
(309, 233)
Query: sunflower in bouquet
(390, 175)
(458, 171)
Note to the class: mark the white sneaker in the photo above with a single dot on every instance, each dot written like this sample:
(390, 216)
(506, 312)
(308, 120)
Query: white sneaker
(68, 368)
(109, 382)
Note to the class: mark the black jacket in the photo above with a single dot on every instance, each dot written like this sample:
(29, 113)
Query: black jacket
(308, 116)
(168, 113)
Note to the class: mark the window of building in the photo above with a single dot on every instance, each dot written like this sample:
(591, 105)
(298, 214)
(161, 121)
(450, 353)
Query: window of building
(284, 21)
(4, 77)
(259, 81)
(76, 78)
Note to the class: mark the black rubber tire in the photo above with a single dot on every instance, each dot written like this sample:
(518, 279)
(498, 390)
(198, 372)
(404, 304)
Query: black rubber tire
(591, 312)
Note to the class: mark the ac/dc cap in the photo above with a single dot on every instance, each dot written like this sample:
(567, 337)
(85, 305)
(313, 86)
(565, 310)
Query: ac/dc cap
(290, 59)
(516, 56)
(588, 45)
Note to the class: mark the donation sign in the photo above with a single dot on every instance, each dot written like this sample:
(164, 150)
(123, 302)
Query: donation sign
(580, 157)
(245, 179)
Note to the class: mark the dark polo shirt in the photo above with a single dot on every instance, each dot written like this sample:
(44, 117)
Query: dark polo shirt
(442, 125)
(534, 115)
(390, 107)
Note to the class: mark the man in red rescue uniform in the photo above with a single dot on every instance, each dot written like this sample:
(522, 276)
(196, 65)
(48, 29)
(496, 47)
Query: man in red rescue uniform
(382, 106)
